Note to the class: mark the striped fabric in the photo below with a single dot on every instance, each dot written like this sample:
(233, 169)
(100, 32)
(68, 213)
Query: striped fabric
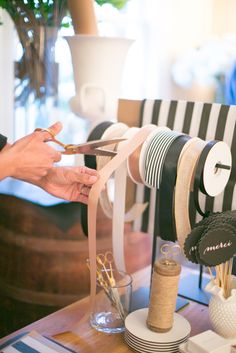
(32, 342)
(209, 121)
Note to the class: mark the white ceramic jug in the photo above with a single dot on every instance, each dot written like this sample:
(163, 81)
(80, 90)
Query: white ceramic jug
(222, 311)
(98, 66)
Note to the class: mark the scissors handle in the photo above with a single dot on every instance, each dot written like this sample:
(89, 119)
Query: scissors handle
(52, 138)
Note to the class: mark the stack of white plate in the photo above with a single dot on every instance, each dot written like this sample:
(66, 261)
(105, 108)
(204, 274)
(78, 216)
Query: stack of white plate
(141, 339)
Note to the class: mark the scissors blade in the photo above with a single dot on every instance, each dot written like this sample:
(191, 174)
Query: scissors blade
(97, 143)
(100, 143)
(103, 152)
(90, 152)
(91, 147)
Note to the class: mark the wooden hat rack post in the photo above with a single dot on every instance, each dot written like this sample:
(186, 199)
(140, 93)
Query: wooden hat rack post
(83, 16)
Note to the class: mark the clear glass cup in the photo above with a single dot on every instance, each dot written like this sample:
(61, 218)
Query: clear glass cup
(112, 304)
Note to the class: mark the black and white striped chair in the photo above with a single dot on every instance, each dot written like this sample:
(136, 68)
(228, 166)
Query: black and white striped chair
(209, 121)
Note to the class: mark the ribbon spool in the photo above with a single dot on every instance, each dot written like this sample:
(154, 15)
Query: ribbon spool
(120, 177)
(155, 154)
(118, 130)
(134, 162)
(114, 131)
(96, 134)
(185, 176)
(164, 290)
(212, 171)
(167, 187)
(118, 207)
(90, 162)
(217, 168)
(152, 162)
(143, 159)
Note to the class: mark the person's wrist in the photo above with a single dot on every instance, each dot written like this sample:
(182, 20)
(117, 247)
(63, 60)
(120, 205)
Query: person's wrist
(6, 147)
(8, 162)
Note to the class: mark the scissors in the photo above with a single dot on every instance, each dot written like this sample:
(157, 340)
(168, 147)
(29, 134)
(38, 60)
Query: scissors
(104, 262)
(169, 251)
(89, 148)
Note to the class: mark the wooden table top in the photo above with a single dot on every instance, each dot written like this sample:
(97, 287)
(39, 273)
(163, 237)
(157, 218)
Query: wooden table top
(64, 325)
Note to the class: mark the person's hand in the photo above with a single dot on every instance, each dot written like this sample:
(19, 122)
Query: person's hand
(30, 158)
(69, 183)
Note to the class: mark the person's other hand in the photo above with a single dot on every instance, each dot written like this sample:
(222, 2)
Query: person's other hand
(69, 183)
(30, 158)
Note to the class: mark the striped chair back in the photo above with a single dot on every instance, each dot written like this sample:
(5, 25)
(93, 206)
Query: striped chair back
(209, 121)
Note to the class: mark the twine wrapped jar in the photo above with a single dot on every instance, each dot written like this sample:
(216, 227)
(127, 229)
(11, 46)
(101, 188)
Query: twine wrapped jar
(163, 296)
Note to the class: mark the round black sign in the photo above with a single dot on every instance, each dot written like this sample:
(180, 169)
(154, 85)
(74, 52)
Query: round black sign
(190, 245)
(217, 246)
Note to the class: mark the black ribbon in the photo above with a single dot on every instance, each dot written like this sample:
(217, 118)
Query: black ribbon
(90, 162)
(167, 229)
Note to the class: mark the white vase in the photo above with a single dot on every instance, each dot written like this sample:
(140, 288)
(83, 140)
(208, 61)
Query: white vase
(98, 66)
(222, 311)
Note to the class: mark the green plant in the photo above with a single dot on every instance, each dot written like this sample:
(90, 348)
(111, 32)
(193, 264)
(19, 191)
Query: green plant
(119, 4)
(45, 12)
(40, 12)
(37, 23)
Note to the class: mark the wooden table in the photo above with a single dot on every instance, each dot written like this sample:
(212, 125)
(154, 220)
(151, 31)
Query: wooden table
(63, 325)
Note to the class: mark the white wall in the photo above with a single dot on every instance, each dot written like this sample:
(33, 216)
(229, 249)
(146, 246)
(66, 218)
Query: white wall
(6, 76)
(164, 31)
(224, 13)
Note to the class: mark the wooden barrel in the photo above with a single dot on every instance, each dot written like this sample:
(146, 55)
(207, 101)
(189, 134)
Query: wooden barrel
(43, 256)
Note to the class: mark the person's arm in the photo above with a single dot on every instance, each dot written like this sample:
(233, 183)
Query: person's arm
(32, 160)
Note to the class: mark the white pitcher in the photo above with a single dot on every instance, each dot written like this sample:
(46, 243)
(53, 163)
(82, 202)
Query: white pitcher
(98, 66)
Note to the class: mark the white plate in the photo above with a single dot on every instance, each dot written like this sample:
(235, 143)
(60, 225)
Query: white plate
(145, 350)
(154, 344)
(136, 325)
(152, 347)
(149, 350)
